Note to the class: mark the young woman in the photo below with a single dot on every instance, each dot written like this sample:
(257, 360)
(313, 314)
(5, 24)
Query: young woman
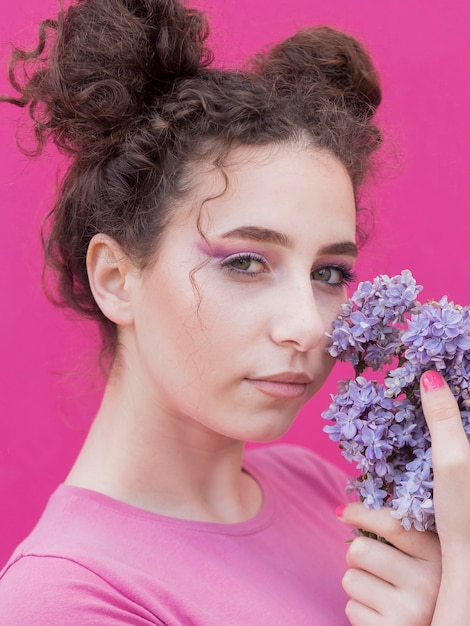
(207, 222)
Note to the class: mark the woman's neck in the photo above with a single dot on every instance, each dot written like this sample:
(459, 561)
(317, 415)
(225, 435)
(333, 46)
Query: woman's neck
(166, 464)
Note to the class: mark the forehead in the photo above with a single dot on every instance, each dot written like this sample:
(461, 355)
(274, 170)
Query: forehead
(277, 182)
(289, 188)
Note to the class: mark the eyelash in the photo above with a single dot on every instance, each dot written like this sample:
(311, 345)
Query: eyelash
(243, 256)
(347, 276)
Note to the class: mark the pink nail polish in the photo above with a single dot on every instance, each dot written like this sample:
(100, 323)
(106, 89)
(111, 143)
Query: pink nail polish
(432, 380)
(340, 510)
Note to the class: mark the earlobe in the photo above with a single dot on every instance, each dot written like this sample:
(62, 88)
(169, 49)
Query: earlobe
(109, 273)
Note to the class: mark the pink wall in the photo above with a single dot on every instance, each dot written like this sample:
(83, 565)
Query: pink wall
(420, 201)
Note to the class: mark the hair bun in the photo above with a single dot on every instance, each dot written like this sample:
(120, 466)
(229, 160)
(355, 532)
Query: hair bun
(108, 63)
(327, 57)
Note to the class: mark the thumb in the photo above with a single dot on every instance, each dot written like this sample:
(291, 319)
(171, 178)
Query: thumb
(449, 441)
(450, 458)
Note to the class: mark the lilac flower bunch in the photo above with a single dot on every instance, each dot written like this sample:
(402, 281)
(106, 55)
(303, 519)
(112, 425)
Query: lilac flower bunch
(380, 426)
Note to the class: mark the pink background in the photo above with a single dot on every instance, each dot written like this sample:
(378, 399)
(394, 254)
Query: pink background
(49, 383)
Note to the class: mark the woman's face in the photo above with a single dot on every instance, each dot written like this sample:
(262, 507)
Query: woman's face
(228, 330)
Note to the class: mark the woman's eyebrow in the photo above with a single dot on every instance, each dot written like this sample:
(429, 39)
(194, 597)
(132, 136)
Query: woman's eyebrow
(348, 248)
(257, 233)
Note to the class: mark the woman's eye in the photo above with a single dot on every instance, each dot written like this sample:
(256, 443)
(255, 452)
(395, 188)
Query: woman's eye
(332, 275)
(245, 264)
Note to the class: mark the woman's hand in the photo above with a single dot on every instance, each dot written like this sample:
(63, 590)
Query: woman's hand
(420, 580)
(390, 585)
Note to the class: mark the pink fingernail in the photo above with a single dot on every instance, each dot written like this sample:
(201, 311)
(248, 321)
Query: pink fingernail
(432, 380)
(340, 510)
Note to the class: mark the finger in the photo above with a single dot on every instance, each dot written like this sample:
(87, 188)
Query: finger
(421, 545)
(382, 603)
(368, 590)
(375, 557)
(405, 610)
(360, 615)
(449, 441)
(451, 462)
(399, 579)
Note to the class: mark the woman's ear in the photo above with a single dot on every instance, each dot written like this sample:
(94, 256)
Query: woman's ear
(109, 273)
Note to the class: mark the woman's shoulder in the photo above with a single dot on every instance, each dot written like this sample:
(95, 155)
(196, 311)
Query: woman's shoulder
(46, 589)
(89, 560)
(46, 568)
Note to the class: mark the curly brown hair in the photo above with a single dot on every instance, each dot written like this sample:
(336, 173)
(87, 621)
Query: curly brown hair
(127, 89)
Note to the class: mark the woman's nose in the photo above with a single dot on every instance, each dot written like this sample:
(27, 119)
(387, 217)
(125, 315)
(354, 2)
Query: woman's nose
(297, 320)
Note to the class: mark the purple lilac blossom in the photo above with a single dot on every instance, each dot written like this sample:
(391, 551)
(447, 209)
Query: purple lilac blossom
(380, 426)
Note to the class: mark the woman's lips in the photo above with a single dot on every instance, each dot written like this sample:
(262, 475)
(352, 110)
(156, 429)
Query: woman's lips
(279, 389)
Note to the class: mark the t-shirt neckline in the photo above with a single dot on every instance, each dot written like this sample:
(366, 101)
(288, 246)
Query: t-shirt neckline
(252, 525)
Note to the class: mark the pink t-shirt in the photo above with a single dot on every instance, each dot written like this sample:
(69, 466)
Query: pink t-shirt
(93, 560)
